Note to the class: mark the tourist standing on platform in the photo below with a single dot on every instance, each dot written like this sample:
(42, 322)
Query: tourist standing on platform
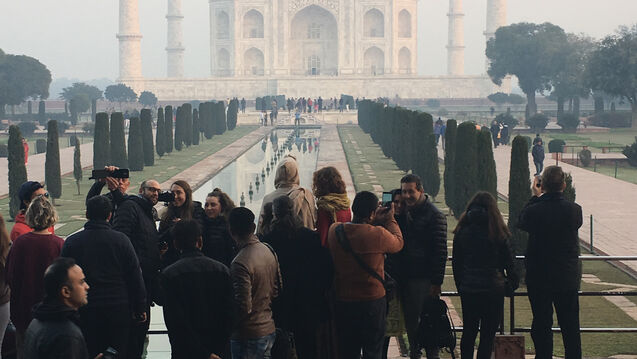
(553, 268)
(320, 104)
(358, 250)
(181, 208)
(421, 264)
(243, 105)
(217, 241)
(443, 132)
(256, 280)
(28, 191)
(262, 117)
(30, 255)
(538, 157)
(286, 182)
(537, 139)
(437, 128)
(136, 218)
(331, 200)
(484, 272)
(117, 188)
(54, 331)
(307, 271)
(117, 287)
(198, 302)
(5, 292)
(495, 133)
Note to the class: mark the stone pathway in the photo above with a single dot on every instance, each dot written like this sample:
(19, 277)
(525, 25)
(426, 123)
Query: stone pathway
(35, 167)
(331, 154)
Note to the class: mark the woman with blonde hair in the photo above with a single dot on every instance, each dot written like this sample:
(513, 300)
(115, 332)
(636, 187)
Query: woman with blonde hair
(5, 292)
(331, 199)
(217, 241)
(483, 271)
(30, 255)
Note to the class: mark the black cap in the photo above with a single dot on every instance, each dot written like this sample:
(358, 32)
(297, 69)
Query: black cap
(26, 192)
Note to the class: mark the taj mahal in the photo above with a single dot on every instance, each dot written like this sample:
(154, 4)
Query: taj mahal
(364, 48)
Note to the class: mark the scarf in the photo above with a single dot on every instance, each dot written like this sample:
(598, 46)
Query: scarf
(332, 203)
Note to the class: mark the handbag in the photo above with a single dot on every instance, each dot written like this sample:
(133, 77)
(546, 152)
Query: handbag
(436, 329)
(390, 285)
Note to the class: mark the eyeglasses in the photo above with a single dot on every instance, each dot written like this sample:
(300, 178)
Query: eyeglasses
(45, 195)
(153, 189)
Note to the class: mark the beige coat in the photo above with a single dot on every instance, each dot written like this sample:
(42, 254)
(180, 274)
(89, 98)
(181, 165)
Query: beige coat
(287, 182)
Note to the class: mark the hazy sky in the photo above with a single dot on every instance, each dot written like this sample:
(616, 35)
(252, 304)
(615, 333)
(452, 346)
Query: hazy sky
(76, 38)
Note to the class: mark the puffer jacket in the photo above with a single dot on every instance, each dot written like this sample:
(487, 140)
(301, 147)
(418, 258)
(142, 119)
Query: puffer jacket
(481, 264)
(286, 182)
(165, 234)
(424, 254)
(135, 217)
(538, 153)
(217, 241)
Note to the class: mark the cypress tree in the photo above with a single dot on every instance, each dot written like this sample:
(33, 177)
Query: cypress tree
(17, 169)
(147, 137)
(135, 145)
(208, 120)
(42, 113)
(202, 124)
(465, 167)
(569, 191)
(187, 130)
(450, 160)
(519, 192)
(179, 128)
(77, 165)
(118, 143)
(220, 123)
(52, 173)
(169, 130)
(233, 111)
(101, 142)
(160, 135)
(487, 174)
(195, 127)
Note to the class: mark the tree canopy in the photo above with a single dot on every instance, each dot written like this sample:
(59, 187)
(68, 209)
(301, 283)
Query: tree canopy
(120, 93)
(80, 96)
(22, 77)
(148, 99)
(534, 53)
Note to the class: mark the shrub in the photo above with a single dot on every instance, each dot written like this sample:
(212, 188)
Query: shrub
(89, 127)
(487, 176)
(556, 146)
(519, 191)
(433, 103)
(450, 158)
(499, 98)
(4, 150)
(73, 140)
(52, 172)
(515, 99)
(631, 153)
(529, 143)
(568, 122)
(40, 145)
(585, 157)
(135, 145)
(160, 135)
(168, 144)
(118, 143)
(27, 128)
(569, 191)
(507, 119)
(147, 137)
(101, 142)
(465, 166)
(62, 126)
(195, 126)
(537, 122)
(179, 128)
(17, 169)
(611, 119)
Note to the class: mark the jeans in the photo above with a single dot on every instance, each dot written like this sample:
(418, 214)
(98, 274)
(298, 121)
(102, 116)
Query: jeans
(137, 336)
(106, 327)
(539, 167)
(567, 309)
(258, 348)
(360, 326)
(413, 293)
(483, 311)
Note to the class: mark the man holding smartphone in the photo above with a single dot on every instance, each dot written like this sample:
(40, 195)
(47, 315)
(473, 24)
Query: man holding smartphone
(117, 188)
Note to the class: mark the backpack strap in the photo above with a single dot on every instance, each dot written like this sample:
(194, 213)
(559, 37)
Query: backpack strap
(345, 244)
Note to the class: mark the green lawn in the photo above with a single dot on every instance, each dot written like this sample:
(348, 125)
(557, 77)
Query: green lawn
(71, 205)
(63, 141)
(595, 311)
(616, 137)
(624, 172)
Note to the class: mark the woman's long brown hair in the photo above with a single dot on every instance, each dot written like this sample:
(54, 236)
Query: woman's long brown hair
(185, 211)
(498, 230)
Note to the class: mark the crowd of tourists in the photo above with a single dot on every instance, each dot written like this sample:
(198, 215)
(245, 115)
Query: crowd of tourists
(311, 277)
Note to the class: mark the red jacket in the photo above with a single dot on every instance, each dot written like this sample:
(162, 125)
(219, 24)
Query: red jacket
(28, 258)
(325, 221)
(20, 227)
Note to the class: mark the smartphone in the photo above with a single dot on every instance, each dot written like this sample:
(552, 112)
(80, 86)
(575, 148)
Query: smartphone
(119, 173)
(387, 199)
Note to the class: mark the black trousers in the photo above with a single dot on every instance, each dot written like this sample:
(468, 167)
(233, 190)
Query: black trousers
(106, 327)
(360, 326)
(567, 309)
(137, 336)
(483, 312)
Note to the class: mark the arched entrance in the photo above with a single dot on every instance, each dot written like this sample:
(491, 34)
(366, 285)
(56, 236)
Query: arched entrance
(253, 62)
(313, 42)
(374, 60)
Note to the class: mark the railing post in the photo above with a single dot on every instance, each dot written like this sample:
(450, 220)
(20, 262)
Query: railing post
(512, 314)
(592, 235)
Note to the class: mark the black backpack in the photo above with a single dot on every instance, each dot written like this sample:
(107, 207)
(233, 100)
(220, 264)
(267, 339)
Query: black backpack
(436, 328)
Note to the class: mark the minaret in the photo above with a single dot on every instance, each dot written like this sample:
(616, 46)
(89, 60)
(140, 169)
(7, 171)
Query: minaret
(455, 48)
(174, 48)
(130, 55)
(496, 18)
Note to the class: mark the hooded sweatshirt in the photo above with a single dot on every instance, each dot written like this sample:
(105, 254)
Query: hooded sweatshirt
(286, 182)
(20, 227)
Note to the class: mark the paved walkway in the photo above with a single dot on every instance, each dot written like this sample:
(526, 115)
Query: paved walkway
(331, 154)
(35, 167)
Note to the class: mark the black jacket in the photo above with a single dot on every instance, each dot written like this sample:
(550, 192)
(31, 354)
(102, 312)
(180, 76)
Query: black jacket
(481, 264)
(538, 153)
(424, 255)
(307, 273)
(135, 217)
(166, 224)
(552, 254)
(198, 306)
(115, 196)
(54, 333)
(110, 266)
(217, 241)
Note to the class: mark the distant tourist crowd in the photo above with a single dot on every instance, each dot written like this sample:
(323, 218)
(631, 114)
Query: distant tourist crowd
(314, 276)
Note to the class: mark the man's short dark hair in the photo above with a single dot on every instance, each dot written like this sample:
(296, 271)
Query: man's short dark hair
(56, 276)
(412, 178)
(186, 232)
(553, 179)
(98, 208)
(365, 203)
(241, 220)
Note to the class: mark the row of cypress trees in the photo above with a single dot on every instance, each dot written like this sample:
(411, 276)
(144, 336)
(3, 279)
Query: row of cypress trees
(407, 137)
